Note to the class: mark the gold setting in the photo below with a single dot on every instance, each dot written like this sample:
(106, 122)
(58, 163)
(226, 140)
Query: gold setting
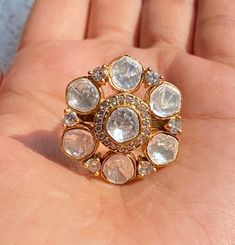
(151, 90)
(95, 122)
(144, 148)
(109, 67)
(160, 79)
(84, 127)
(109, 154)
(118, 101)
(99, 89)
(141, 160)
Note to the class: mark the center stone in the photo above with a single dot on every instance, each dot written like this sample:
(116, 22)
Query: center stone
(123, 124)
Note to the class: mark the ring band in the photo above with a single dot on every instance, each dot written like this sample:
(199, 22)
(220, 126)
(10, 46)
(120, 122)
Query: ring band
(139, 135)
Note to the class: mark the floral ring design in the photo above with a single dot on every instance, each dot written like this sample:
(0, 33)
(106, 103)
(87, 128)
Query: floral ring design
(140, 135)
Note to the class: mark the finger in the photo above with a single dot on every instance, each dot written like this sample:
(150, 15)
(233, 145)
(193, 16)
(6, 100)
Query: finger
(215, 30)
(167, 22)
(56, 20)
(115, 20)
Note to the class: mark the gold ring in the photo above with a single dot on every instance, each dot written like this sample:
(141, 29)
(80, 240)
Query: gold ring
(122, 137)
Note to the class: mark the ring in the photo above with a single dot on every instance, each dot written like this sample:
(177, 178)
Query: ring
(124, 136)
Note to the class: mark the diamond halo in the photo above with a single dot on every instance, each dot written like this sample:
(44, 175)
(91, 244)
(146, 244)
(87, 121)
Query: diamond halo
(105, 112)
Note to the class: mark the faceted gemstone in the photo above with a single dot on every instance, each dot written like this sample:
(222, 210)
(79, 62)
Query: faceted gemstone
(123, 124)
(118, 169)
(129, 98)
(165, 100)
(175, 125)
(162, 148)
(126, 73)
(145, 168)
(98, 74)
(83, 95)
(71, 119)
(120, 98)
(152, 77)
(78, 143)
(93, 164)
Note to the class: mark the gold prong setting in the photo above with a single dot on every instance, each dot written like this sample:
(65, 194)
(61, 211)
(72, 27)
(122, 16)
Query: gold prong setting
(144, 167)
(71, 118)
(99, 74)
(152, 78)
(174, 125)
(93, 164)
(123, 122)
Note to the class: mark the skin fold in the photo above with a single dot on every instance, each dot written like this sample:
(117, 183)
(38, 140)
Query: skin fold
(44, 197)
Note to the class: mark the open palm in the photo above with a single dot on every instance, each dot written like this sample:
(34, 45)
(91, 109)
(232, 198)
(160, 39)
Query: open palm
(190, 202)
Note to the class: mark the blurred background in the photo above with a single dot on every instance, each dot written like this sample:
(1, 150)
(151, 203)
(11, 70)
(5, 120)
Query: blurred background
(13, 14)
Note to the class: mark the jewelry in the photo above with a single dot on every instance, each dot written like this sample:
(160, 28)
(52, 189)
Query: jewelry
(140, 135)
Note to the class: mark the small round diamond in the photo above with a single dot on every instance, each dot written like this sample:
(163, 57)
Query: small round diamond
(118, 169)
(174, 125)
(143, 138)
(125, 73)
(165, 100)
(145, 168)
(123, 124)
(93, 164)
(120, 98)
(98, 74)
(101, 136)
(71, 119)
(146, 123)
(98, 128)
(152, 78)
(82, 95)
(106, 142)
(129, 98)
(113, 146)
(78, 143)
(162, 149)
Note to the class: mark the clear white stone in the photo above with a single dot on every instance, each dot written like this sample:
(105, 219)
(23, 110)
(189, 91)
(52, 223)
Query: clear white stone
(126, 73)
(118, 169)
(152, 77)
(98, 74)
(162, 148)
(82, 95)
(71, 119)
(145, 168)
(175, 125)
(78, 143)
(93, 164)
(165, 100)
(123, 124)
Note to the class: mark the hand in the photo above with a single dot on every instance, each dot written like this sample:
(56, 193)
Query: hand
(191, 201)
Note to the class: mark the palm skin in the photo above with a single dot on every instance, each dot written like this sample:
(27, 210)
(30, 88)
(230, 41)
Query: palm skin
(42, 202)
